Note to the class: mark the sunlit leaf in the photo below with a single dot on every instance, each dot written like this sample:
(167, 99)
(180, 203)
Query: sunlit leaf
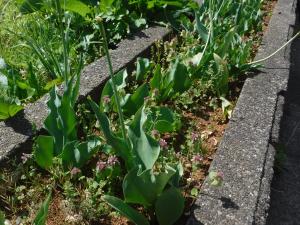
(169, 206)
(126, 210)
(143, 187)
(44, 151)
(41, 217)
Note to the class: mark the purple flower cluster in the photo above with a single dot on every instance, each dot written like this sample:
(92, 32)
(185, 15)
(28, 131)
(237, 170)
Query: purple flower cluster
(25, 157)
(163, 143)
(75, 171)
(111, 161)
(194, 136)
(197, 159)
(106, 99)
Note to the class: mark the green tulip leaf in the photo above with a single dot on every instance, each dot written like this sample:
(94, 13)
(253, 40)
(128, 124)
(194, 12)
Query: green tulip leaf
(44, 151)
(8, 110)
(143, 66)
(119, 144)
(169, 206)
(76, 154)
(144, 146)
(41, 217)
(126, 210)
(143, 187)
(135, 101)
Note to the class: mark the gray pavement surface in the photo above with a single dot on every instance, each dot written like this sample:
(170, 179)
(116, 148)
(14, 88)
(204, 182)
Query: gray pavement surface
(285, 189)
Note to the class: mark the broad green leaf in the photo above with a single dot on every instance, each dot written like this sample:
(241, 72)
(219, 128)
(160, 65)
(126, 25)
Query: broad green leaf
(53, 123)
(67, 114)
(177, 176)
(52, 83)
(8, 110)
(24, 86)
(201, 29)
(226, 107)
(144, 146)
(61, 121)
(106, 5)
(143, 66)
(164, 126)
(140, 22)
(30, 6)
(41, 217)
(120, 82)
(179, 77)
(135, 101)
(126, 210)
(169, 206)
(196, 59)
(117, 143)
(34, 81)
(143, 187)
(215, 178)
(2, 218)
(76, 6)
(157, 77)
(76, 154)
(44, 151)
(75, 84)
(227, 40)
(222, 75)
(163, 120)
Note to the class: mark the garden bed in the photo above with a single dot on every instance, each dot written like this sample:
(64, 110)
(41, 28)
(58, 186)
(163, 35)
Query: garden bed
(192, 139)
(31, 52)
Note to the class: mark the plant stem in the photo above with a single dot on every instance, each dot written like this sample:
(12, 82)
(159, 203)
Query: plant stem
(64, 36)
(274, 53)
(111, 72)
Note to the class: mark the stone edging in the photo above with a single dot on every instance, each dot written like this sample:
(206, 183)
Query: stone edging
(245, 155)
(16, 133)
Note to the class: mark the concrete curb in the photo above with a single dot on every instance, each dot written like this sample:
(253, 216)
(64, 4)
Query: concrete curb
(16, 133)
(245, 155)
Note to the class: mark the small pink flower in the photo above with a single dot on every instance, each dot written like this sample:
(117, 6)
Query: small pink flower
(197, 158)
(75, 171)
(220, 175)
(100, 165)
(106, 99)
(163, 143)
(25, 157)
(194, 136)
(112, 160)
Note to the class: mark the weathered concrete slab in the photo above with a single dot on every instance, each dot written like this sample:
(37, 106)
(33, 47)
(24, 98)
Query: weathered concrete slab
(244, 155)
(16, 133)
(285, 194)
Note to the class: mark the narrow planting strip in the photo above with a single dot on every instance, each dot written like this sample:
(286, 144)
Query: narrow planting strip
(244, 155)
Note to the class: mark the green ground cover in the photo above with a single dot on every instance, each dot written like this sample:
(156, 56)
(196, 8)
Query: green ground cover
(31, 50)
